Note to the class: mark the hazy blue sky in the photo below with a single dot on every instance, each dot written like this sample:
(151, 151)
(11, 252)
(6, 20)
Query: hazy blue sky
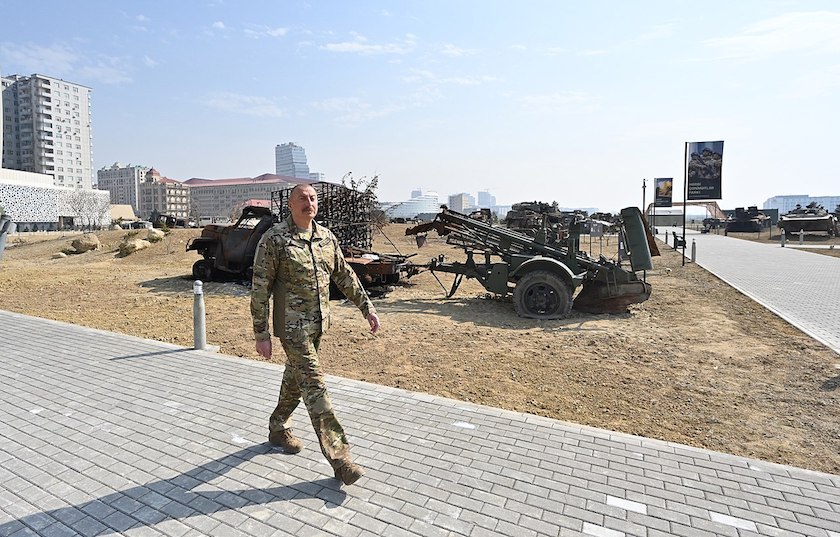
(573, 101)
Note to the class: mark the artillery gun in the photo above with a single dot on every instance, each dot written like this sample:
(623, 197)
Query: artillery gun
(541, 274)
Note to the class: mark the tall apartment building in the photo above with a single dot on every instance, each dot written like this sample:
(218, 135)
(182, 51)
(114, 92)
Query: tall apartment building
(290, 160)
(47, 129)
(162, 195)
(123, 182)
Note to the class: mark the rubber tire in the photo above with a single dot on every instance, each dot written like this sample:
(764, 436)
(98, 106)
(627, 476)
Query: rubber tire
(202, 270)
(542, 294)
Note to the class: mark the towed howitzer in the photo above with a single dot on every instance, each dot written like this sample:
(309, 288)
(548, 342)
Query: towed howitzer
(541, 275)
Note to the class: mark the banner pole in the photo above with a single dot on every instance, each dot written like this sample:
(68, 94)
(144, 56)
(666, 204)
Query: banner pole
(685, 195)
(653, 210)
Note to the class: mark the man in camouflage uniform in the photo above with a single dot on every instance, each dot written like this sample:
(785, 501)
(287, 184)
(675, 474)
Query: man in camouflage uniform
(295, 261)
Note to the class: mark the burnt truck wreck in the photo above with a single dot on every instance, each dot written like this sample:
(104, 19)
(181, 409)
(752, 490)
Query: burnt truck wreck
(228, 250)
(543, 275)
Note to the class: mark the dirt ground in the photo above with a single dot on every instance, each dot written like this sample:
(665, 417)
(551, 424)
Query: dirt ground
(698, 363)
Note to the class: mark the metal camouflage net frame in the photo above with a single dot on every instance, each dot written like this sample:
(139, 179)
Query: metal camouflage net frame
(345, 211)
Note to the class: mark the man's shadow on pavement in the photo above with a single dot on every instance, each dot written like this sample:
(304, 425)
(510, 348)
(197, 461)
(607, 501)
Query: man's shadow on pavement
(175, 499)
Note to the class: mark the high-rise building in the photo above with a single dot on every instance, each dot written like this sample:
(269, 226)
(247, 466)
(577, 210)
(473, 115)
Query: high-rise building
(460, 202)
(486, 199)
(290, 161)
(47, 129)
(123, 182)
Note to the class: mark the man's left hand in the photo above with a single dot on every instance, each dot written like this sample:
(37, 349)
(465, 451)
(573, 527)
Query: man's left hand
(373, 319)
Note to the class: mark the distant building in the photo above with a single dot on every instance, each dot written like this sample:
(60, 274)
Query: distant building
(486, 199)
(123, 182)
(215, 200)
(419, 203)
(459, 202)
(317, 177)
(500, 210)
(124, 213)
(290, 161)
(161, 195)
(46, 127)
(786, 204)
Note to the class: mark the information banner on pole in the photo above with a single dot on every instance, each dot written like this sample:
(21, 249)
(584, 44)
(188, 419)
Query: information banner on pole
(664, 192)
(705, 164)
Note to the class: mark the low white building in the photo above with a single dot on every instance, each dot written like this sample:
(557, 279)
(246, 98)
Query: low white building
(34, 204)
(420, 203)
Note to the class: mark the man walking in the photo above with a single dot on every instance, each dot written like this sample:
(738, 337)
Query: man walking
(294, 263)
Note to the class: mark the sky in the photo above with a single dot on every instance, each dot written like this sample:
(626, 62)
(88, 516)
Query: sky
(581, 103)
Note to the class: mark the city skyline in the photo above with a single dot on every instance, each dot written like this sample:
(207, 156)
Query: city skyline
(574, 103)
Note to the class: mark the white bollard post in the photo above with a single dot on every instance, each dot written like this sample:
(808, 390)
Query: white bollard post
(693, 251)
(782, 237)
(801, 237)
(199, 331)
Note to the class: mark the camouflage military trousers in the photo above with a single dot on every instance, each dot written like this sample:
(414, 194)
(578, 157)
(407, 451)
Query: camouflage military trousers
(303, 379)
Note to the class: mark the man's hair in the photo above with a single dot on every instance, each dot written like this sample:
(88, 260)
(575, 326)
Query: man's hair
(300, 186)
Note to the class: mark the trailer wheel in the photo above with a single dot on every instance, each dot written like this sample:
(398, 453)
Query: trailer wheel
(542, 295)
(202, 270)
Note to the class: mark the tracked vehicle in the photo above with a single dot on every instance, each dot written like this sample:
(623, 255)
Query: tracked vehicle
(812, 218)
(543, 274)
(749, 220)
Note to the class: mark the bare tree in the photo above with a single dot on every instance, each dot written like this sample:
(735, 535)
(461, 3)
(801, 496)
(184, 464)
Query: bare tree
(87, 207)
(101, 207)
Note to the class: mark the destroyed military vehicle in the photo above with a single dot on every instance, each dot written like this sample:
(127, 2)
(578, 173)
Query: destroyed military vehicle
(747, 220)
(228, 250)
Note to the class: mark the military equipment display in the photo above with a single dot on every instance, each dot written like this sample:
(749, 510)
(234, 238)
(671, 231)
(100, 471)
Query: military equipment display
(529, 216)
(812, 218)
(541, 274)
(228, 250)
(349, 214)
(747, 220)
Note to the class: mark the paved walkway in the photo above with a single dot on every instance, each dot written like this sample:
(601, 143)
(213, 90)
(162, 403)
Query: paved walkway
(106, 434)
(801, 287)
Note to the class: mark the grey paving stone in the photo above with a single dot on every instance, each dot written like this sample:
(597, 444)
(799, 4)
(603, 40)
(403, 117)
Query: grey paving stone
(196, 462)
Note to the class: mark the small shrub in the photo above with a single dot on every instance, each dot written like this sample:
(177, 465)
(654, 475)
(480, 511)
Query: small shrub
(131, 234)
(154, 238)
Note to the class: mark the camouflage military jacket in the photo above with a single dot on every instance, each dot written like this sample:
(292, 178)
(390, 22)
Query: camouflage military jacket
(296, 268)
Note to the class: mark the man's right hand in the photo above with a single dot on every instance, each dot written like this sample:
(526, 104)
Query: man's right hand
(264, 348)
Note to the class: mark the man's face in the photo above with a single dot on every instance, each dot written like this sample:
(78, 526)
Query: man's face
(304, 202)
